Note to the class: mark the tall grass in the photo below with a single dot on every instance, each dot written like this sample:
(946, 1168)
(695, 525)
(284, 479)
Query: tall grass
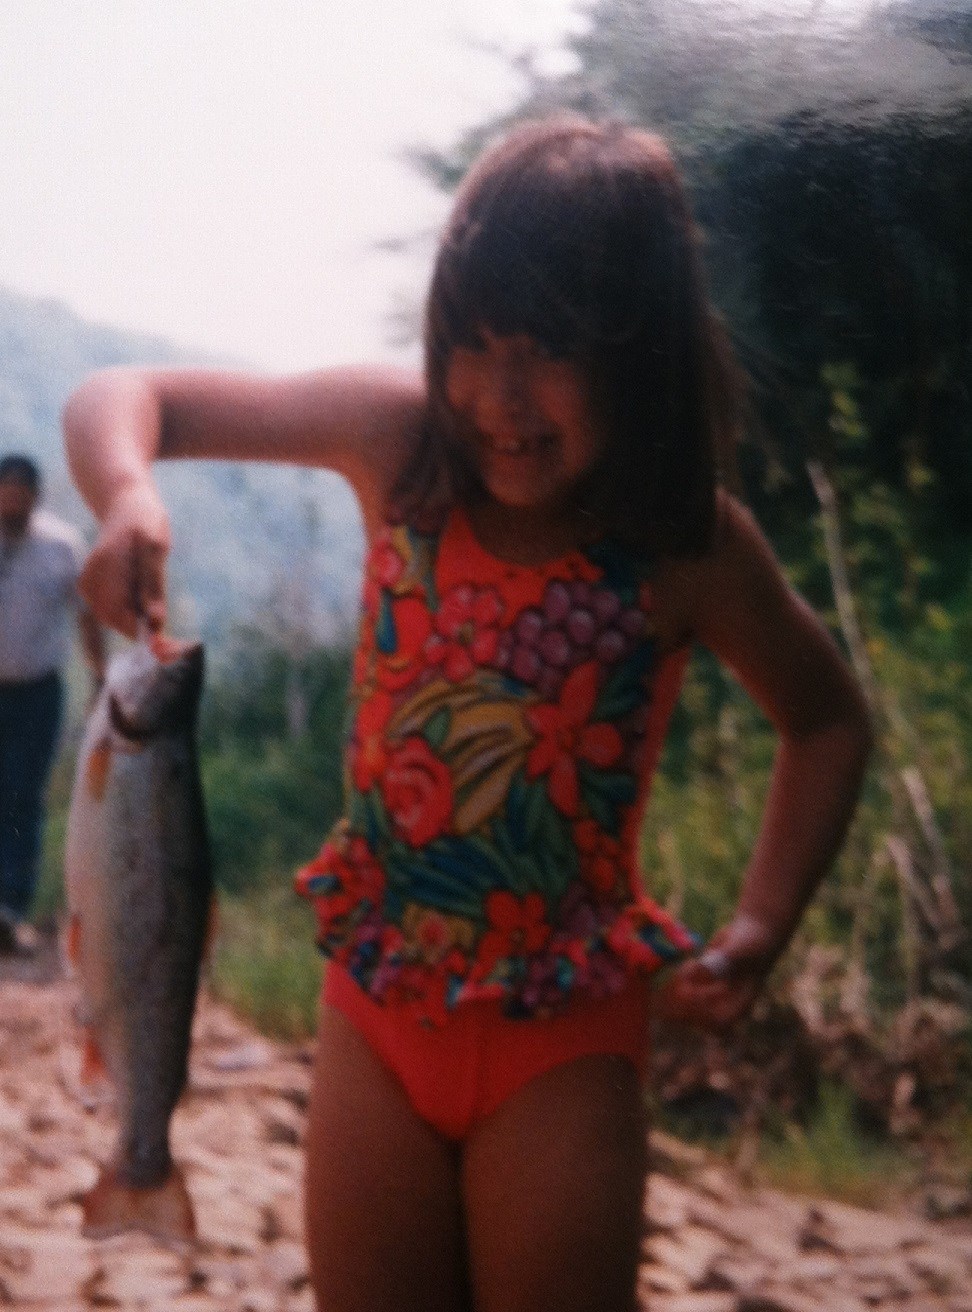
(834, 1155)
(265, 964)
(49, 897)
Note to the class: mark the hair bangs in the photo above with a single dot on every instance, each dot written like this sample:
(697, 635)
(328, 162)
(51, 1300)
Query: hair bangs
(520, 269)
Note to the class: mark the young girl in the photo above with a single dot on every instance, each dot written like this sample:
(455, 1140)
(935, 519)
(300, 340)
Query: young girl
(546, 541)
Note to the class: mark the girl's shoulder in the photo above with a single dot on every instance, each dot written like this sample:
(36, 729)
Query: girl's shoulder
(371, 421)
(736, 601)
(695, 593)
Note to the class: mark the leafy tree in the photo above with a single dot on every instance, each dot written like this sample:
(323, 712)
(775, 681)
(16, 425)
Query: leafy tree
(830, 162)
(271, 795)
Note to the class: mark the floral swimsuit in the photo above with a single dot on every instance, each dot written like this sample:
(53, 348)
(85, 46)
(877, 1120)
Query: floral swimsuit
(505, 724)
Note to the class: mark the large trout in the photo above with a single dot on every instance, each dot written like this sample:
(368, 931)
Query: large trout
(139, 890)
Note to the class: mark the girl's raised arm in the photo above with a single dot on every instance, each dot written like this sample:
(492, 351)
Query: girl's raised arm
(360, 422)
(747, 615)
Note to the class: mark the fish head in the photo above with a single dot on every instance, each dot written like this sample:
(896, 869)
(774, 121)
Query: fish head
(154, 688)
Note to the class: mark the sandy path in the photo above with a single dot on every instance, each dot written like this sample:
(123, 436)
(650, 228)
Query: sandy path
(710, 1244)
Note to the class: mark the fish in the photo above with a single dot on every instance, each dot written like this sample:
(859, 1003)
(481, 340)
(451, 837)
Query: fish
(139, 893)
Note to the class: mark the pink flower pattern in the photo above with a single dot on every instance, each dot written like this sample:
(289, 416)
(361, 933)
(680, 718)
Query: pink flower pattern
(489, 845)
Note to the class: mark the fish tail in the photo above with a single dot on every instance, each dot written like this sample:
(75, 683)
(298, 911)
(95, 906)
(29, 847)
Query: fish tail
(164, 1211)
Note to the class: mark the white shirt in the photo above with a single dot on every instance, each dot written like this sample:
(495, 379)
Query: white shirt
(38, 597)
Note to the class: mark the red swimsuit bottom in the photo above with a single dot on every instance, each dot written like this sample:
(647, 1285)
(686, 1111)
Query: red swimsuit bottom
(457, 1073)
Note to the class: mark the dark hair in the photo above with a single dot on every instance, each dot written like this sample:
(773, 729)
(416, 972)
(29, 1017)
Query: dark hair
(579, 234)
(20, 469)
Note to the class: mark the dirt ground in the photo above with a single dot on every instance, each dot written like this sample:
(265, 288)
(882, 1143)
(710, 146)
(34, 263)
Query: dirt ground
(711, 1244)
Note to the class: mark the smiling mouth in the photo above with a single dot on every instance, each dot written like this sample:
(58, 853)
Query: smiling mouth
(518, 446)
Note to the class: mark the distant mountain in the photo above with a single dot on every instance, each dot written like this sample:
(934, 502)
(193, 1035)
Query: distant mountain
(253, 544)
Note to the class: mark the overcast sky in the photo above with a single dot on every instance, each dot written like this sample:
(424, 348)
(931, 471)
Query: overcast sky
(219, 171)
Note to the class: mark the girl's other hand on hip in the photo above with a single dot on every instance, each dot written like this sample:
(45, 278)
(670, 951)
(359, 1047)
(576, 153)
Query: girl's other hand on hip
(718, 988)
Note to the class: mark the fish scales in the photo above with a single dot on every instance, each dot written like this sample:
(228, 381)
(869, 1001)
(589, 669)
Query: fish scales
(159, 923)
(139, 892)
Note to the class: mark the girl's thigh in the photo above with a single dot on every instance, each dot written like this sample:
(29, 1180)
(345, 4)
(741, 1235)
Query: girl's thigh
(383, 1207)
(554, 1186)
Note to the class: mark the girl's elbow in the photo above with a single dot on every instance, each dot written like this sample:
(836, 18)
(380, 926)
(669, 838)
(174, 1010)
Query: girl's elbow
(75, 409)
(77, 418)
(87, 400)
(852, 735)
(841, 730)
(868, 742)
(860, 721)
(125, 400)
(846, 715)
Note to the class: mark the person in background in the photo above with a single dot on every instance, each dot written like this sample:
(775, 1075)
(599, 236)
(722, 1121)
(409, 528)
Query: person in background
(40, 559)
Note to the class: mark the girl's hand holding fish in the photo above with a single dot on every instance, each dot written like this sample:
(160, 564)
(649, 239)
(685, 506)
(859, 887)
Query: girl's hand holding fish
(123, 580)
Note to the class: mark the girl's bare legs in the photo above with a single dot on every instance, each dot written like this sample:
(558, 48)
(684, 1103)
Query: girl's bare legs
(554, 1187)
(384, 1216)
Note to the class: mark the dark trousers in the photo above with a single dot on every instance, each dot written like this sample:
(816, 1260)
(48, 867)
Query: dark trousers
(30, 719)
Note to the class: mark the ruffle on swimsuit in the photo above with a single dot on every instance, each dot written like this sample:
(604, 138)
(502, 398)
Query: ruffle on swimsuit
(505, 724)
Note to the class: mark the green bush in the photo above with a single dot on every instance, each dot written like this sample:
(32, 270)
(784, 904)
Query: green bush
(271, 794)
(834, 1155)
(268, 811)
(265, 965)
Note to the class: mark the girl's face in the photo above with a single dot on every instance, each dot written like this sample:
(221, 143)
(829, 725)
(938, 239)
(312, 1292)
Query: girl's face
(526, 418)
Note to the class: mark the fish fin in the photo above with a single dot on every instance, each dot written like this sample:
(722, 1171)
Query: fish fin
(93, 1068)
(96, 771)
(165, 649)
(72, 940)
(90, 1081)
(163, 1211)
